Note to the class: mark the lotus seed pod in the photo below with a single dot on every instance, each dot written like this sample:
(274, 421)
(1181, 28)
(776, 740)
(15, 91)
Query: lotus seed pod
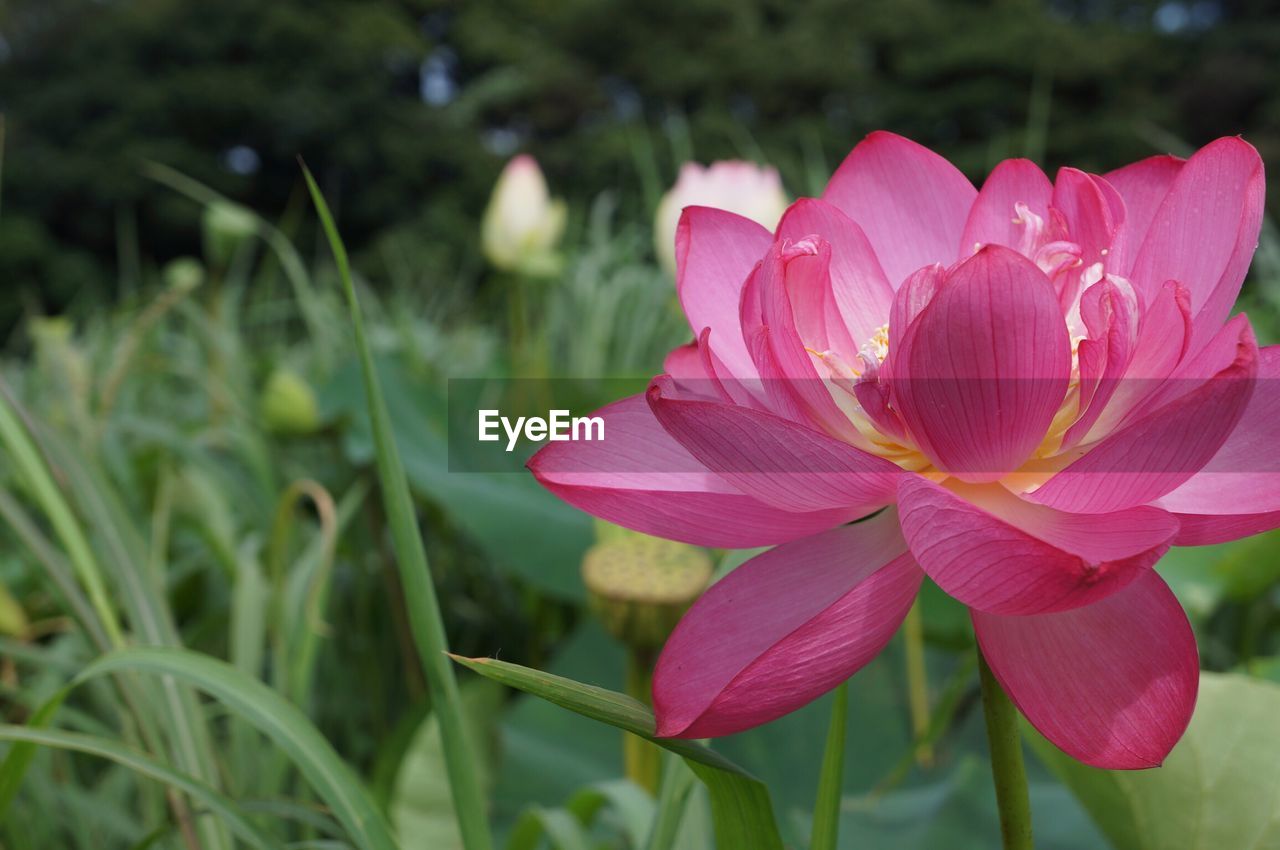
(640, 586)
(289, 405)
(183, 274)
(226, 226)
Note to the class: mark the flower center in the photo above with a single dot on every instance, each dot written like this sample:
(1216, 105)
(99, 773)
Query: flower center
(880, 429)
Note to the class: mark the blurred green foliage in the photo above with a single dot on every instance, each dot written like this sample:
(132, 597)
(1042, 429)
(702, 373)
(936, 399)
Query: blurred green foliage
(406, 109)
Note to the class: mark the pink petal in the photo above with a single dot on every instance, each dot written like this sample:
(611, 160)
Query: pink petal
(1244, 476)
(998, 553)
(911, 203)
(984, 367)
(862, 294)
(1207, 529)
(1163, 336)
(685, 363)
(775, 460)
(1112, 684)
(993, 218)
(1109, 310)
(715, 252)
(916, 293)
(1205, 232)
(784, 628)
(1087, 209)
(1114, 202)
(783, 338)
(696, 370)
(778, 394)
(1190, 419)
(1143, 186)
(723, 385)
(639, 477)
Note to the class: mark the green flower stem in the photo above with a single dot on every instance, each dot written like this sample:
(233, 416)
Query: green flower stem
(1006, 761)
(917, 683)
(642, 758)
(461, 763)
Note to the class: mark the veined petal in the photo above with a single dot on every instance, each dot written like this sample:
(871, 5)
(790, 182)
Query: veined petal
(984, 367)
(725, 387)
(861, 292)
(1163, 336)
(1143, 186)
(688, 367)
(1243, 478)
(996, 552)
(715, 252)
(911, 203)
(916, 293)
(1208, 529)
(1117, 207)
(641, 478)
(1109, 311)
(793, 275)
(994, 219)
(1087, 210)
(1112, 684)
(784, 628)
(775, 460)
(1205, 232)
(1190, 419)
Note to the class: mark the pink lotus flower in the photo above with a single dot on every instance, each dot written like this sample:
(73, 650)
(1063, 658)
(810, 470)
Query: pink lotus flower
(1036, 386)
(750, 190)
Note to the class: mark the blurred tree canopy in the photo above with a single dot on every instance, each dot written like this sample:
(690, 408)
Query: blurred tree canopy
(408, 108)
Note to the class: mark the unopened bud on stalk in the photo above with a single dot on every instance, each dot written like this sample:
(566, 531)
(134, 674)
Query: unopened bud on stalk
(183, 274)
(226, 226)
(62, 365)
(289, 405)
(523, 223)
(640, 586)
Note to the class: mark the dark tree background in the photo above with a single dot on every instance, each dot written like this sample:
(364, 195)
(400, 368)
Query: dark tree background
(408, 108)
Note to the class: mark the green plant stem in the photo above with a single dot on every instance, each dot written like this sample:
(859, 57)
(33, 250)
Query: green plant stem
(642, 759)
(917, 683)
(461, 761)
(1006, 761)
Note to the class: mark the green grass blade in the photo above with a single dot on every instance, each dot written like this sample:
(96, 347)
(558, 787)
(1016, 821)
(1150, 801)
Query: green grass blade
(35, 452)
(215, 801)
(617, 710)
(826, 811)
(673, 797)
(121, 546)
(411, 558)
(18, 759)
(56, 567)
(740, 805)
(29, 464)
(279, 720)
